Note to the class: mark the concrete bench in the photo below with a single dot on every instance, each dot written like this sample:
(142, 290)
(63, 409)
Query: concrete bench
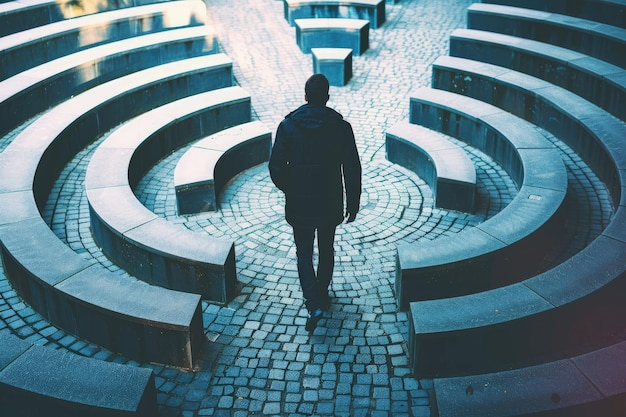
(592, 384)
(598, 40)
(580, 124)
(334, 63)
(509, 246)
(525, 323)
(19, 15)
(444, 166)
(34, 90)
(36, 380)
(370, 10)
(147, 246)
(33, 47)
(145, 323)
(611, 12)
(122, 314)
(533, 319)
(332, 33)
(601, 83)
(210, 163)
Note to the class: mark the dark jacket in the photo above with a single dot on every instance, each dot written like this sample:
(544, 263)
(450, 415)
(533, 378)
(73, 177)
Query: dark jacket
(314, 154)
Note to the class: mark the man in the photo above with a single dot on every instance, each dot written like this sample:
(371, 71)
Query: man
(313, 157)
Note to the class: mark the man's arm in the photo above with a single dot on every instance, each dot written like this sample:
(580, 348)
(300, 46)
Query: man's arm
(278, 164)
(351, 175)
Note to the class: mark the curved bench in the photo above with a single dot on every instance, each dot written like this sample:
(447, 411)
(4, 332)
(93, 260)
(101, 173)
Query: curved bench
(147, 246)
(575, 121)
(33, 47)
(612, 12)
(334, 63)
(332, 33)
(507, 247)
(82, 386)
(587, 385)
(18, 15)
(206, 167)
(532, 319)
(601, 83)
(32, 91)
(444, 166)
(146, 323)
(370, 10)
(598, 40)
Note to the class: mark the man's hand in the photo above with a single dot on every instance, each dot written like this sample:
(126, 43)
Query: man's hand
(349, 217)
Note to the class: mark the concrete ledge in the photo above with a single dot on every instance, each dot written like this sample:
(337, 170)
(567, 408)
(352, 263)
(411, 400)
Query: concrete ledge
(585, 385)
(530, 320)
(34, 90)
(370, 10)
(602, 41)
(20, 15)
(29, 167)
(334, 63)
(332, 33)
(124, 315)
(601, 83)
(445, 167)
(590, 131)
(496, 252)
(210, 163)
(33, 47)
(611, 12)
(526, 322)
(82, 386)
(149, 247)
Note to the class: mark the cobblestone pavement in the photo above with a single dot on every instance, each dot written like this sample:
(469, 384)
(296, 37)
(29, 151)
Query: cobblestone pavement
(259, 360)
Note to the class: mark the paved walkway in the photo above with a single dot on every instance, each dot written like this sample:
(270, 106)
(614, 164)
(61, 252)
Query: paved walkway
(259, 360)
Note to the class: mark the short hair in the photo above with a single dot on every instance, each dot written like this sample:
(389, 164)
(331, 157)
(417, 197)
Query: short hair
(316, 89)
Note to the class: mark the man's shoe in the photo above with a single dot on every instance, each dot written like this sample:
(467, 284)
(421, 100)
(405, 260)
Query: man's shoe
(314, 317)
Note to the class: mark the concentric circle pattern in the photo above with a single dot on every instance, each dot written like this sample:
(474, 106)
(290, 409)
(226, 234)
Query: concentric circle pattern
(259, 360)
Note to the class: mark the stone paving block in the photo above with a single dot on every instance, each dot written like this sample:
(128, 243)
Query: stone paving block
(274, 94)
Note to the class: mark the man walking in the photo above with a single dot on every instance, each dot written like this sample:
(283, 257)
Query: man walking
(313, 158)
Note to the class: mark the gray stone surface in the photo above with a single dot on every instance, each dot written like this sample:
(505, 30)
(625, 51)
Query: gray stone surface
(579, 275)
(24, 50)
(78, 387)
(601, 41)
(589, 130)
(150, 248)
(606, 11)
(475, 310)
(335, 63)
(549, 387)
(11, 347)
(617, 228)
(35, 252)
(30, 92)
(372, 10)
(144, 322)
(512, 243)
(333, 33)
(579, 73)
(606, 369)
(22, 16)
(259, 358)
(443, 165)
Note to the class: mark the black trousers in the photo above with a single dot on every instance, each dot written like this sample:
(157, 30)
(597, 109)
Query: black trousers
(315, 284)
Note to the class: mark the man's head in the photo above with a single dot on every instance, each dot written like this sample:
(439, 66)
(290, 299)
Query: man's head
(316, 90)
